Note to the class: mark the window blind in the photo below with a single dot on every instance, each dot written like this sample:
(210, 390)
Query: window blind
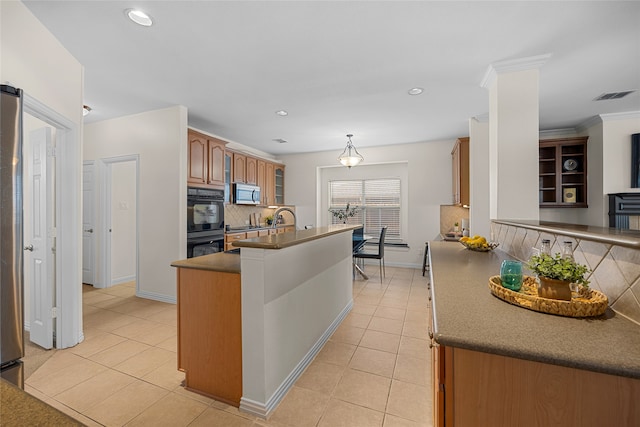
(378, 201)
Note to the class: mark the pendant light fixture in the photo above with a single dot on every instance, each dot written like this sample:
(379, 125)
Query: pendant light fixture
(350, 156)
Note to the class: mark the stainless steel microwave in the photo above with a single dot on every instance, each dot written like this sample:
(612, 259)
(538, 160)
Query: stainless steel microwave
(245, 194)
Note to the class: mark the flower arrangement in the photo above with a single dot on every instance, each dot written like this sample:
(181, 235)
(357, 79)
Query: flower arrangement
(558, 268)
(344, 214)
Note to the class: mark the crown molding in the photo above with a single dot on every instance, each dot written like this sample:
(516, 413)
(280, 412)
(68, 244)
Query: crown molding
(590, 122)
(551, 133)
(512, 65)
(620, 116)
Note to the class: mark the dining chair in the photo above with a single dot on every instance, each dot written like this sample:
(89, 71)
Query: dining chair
(362, 255)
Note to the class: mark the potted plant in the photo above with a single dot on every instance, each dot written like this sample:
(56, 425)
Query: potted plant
(556, 274)
(344, 214)
(268, 219)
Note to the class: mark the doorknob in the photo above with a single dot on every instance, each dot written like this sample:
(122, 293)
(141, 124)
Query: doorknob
(89, 230)
(29, 248)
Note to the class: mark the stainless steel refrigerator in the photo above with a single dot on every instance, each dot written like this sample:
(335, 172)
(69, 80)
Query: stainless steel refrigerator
(11, 262)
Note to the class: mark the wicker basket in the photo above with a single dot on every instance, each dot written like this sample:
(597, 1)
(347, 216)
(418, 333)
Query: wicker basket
(490, 246)
(589, 302)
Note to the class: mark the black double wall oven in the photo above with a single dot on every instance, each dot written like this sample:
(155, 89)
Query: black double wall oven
(205, 221)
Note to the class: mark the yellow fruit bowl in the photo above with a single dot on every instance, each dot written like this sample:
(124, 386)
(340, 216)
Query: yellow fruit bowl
(480, 247)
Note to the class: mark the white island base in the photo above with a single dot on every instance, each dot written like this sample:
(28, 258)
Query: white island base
(293, 299)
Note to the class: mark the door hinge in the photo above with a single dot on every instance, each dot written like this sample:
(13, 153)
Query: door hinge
(54, 312)
(51, 151)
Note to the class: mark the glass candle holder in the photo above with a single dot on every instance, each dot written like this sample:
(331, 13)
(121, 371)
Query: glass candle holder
(511, 274)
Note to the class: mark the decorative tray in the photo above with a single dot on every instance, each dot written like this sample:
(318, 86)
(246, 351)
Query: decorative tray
(588, 303)
(489, 246)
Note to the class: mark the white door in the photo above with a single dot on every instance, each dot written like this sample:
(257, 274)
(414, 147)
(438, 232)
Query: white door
(41, 241)
(88, 223)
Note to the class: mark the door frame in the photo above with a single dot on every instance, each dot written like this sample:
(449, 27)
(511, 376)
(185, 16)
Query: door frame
(104, 171)
(68, 277)
(93, 201)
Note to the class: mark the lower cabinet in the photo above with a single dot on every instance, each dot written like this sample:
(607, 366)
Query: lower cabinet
(473, 388)
(210, 333)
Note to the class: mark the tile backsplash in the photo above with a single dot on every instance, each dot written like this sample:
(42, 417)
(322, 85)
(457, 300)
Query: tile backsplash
(238, 215)
(615, 269)
(449, 215)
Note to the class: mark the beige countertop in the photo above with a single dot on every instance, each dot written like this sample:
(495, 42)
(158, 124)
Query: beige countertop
(221, 261)
(18, 408)
(467, 315)
(628, 238)
(292, 238)
(230, 263)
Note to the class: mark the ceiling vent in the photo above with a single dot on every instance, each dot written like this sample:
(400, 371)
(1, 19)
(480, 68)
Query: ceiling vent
(613, 95)
(280, 141)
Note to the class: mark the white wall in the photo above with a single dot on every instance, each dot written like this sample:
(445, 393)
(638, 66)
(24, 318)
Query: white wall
(479, 178)
(429, 186)
(160, 139)
(33, 60)
(123, 222)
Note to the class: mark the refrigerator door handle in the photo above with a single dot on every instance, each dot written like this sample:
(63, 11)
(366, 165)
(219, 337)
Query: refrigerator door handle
(29, 248)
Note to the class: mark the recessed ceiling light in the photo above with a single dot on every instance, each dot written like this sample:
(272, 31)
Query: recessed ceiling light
(139, 17)
(282, 113)
(415, 91)
(85, 110)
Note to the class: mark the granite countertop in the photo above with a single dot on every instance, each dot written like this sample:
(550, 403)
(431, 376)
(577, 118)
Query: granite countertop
(614, 236)
(467, 315)
(19, 408)
(230, 262)
(221, 261)
(292, 238)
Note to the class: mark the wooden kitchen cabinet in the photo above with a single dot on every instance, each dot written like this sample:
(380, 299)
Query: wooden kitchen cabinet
(239, 167)
(229, 238)
(460, 172)
(210, 333)
(261, 180)
(563, 173)
(205, 166)
(278, 173)
(251, 170)
(270, 184)
(477, 388)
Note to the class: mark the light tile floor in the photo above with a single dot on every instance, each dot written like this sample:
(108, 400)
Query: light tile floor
(374, 371)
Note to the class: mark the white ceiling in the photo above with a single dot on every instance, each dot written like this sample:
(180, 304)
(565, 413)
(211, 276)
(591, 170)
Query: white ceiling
(343, 67)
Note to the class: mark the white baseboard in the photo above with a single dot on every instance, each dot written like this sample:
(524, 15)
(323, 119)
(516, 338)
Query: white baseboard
(263, 410)
(157, 297)
(123, 279)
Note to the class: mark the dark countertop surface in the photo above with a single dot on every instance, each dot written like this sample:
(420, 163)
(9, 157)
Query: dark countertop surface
(628, 238)
(19, 408)
(467, 315)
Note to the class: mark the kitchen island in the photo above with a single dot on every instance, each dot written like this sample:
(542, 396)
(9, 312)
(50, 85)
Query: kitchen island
(498, 364)
(259, 318)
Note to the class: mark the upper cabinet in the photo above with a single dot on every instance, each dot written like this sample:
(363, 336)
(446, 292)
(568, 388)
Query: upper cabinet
(239, 167)
(263, 173)
(279, 184)
(563, 173)
(206, 161)
(460, 169)
(251, 171)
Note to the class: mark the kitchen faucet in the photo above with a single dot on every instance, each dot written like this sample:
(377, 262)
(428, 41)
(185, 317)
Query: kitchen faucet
(275, 216)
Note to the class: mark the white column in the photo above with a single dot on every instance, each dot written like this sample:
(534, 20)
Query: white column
(513, 137)
(479, 217)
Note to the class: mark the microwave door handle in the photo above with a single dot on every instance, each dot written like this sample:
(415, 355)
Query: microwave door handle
(253, 196)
